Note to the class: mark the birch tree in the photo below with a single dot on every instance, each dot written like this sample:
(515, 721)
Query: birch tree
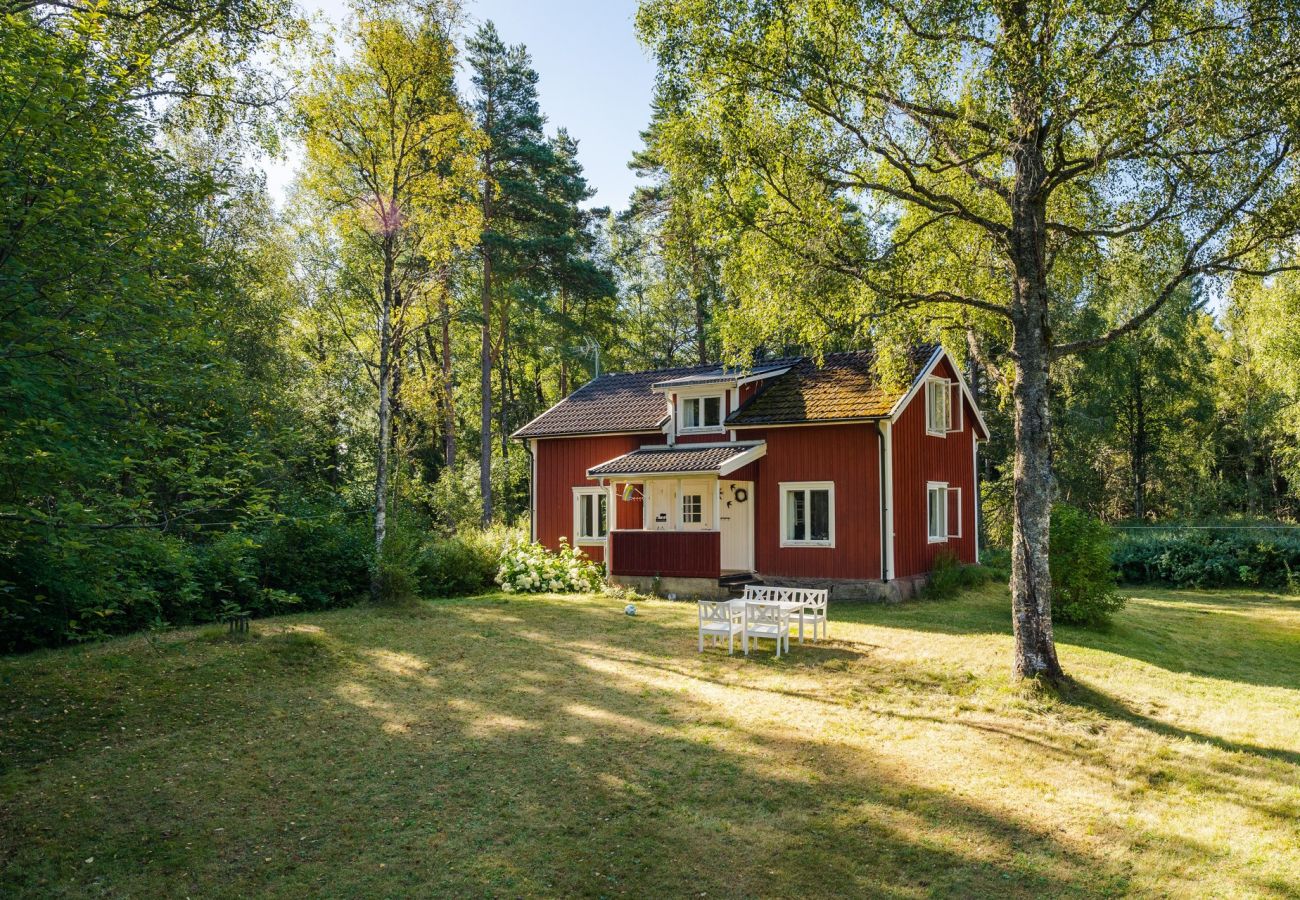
(390, 166)
(971, 165)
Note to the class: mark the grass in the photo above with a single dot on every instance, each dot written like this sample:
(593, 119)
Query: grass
(554, 746)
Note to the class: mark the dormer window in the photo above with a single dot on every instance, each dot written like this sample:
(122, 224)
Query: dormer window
(700, 413)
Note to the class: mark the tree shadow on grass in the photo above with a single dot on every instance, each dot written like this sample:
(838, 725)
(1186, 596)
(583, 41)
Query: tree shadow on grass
(1228, 636)
(608, 780)
(560, 749)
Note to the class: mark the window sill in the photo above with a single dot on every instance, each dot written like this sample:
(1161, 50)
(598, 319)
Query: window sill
(935, 540)
(820, 545)
(711, 429)
(942, 434)
(591, 542)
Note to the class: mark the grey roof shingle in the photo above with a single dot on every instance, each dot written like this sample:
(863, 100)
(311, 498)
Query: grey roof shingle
(680, 459)
(609, 404)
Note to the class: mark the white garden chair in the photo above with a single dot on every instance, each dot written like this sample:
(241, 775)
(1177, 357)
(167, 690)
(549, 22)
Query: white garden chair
(766, 620)
(813, 601)
(717, 618)
(814, 609)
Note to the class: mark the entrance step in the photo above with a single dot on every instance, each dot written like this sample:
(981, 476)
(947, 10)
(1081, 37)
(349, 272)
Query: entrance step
(735, 582)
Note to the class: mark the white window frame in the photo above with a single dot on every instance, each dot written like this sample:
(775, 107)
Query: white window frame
(702, 428)
(690, 487)
(787, 487)
(944, 387)
(931, 487)
(948, 491)
(578, 494)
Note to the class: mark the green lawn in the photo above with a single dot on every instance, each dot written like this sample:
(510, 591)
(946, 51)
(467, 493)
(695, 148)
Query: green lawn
(552, 745)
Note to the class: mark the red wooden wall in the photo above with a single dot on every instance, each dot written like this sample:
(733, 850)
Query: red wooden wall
(848, 455)
(919, 458)
(562, 465)
(682, 554)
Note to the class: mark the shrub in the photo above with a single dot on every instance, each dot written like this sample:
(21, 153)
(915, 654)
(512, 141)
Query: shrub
(1083, 576)
(951, 575)
(398, 564)
(945, 577)
(322, 556)
(531, 568)
(465, 563)
(1200, 558)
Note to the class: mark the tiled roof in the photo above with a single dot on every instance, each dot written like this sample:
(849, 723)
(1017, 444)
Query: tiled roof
(673, 460)
(845, 386)
(609, 404)
(720, 375)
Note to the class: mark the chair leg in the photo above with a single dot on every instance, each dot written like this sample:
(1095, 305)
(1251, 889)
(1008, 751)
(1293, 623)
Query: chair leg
(744, 640)
(701, 641)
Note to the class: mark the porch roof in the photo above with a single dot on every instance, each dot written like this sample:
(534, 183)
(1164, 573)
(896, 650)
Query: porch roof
(682, 459)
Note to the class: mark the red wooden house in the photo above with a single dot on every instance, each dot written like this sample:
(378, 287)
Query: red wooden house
(692, 480)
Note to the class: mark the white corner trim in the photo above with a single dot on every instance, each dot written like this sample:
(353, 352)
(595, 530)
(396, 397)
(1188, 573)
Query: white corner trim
(887, 493)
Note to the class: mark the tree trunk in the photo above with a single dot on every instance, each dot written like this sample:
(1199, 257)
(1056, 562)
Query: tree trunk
(1031, 578)
(485, 388)
(385, 427)
(1139, 450)
(448, 378)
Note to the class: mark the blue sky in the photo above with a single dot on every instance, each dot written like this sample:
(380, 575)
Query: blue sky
(595, 79)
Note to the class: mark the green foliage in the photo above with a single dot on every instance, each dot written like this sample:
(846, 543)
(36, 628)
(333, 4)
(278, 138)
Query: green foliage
(1083, 577)
(464, 563)
(949, 576)
(1211, 557)
(530, 568)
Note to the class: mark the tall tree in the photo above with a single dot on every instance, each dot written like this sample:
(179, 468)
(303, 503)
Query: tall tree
(971, 164)
(391, 164)
(514, 162)
(686, 259)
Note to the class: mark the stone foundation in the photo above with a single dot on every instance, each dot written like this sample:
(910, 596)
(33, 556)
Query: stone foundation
(870, 590)
(681, 588)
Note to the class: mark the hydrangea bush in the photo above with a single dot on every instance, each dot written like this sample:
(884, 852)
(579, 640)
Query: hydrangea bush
(531, 568)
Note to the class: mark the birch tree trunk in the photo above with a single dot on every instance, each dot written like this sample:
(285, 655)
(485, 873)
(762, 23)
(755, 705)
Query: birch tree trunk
(1031, 577)
(385, 424)
(448, 380)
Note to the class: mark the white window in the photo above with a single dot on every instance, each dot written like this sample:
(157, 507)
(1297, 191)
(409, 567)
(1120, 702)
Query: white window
(590, 515)
(701, 413)
(938, 406)
(808, 514)
(943, 512)
(692, 508)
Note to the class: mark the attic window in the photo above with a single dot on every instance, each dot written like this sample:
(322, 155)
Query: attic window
(938, 406)
(700, 413)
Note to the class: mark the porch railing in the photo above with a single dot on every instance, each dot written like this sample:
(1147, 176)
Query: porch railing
(668, 554)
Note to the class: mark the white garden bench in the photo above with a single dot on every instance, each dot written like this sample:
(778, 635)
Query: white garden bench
(812, 601)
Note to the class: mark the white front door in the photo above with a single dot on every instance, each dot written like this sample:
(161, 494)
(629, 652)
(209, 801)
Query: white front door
(661, 504)
(736, 522)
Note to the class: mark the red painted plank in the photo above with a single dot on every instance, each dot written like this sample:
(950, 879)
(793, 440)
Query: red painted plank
(669, 554)
(848, 455)
(920, 458)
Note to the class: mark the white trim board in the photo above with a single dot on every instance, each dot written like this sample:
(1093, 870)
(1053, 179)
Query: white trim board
(920, 380)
